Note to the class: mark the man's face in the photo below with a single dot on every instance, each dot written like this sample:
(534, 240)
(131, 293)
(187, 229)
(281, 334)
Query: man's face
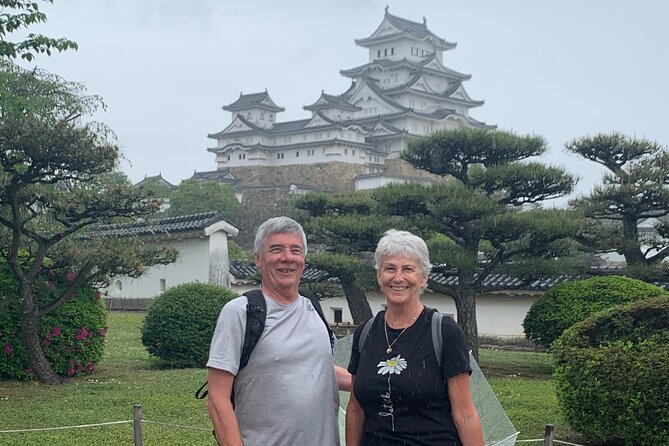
(281, 262)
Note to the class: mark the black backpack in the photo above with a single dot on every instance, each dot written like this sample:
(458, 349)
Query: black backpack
(256, 311)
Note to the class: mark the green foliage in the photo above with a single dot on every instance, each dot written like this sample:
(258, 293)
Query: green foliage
(72, 337)
(635, 188)
(345, 267)
(19, 14)
(180, 323)
(58, 180)
(573, 301)
(156, 187)
(612, 373)
(195, 196)
(236, 252)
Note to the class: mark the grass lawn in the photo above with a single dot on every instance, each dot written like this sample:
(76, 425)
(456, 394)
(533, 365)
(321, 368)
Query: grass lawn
(128, 376)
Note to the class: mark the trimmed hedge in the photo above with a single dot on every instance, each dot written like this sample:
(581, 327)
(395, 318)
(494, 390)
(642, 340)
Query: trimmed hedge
(180, 323)
(573, 301)
(72, 336)
(612, 374)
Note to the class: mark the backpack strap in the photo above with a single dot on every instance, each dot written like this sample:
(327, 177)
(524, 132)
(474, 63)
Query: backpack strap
(437, 335)
(317, 306)
(256, 311)
(364, 333)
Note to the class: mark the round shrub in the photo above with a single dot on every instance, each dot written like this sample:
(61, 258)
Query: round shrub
(573, 301)
(612, 374)
(72, 336)
(180, 323)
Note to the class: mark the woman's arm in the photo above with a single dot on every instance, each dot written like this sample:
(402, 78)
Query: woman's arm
(355, 418)
(220, 407)
(465, 415)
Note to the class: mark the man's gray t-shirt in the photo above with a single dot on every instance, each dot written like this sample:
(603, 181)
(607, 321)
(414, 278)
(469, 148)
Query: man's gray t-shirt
(287, 393)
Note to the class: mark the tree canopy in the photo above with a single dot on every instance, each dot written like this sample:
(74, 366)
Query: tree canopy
(196, 196)
(58, 181)
(633, 190)
(19, 14)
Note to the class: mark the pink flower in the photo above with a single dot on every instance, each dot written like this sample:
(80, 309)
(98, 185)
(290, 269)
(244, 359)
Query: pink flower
(71, 276)
(91, 367)
(82, 333)
(56, 331)
(71, 363)
(101, 332)
(8, 349)
(70, 372)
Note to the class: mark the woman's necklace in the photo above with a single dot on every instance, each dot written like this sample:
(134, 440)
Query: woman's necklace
(385, 330)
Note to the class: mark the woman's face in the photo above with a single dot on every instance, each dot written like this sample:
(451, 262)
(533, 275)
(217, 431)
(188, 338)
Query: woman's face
(400, 279)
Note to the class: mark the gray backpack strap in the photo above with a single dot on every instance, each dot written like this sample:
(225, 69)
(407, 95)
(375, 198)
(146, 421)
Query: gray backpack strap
(364, 333)
(437, 337)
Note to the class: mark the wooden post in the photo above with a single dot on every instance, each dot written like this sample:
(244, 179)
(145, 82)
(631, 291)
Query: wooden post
(138, 424)
(548, 436)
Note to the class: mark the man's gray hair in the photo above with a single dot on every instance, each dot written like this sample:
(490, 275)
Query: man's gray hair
(278, 225)
(405, 244)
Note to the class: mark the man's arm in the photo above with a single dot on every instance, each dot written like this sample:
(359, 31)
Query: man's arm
(465, 415)
(343, 378)
(220, 407)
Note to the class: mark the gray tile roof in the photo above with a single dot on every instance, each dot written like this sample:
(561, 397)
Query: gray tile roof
(242, 270)
(494, 281)
(160, 226)
(251, 100)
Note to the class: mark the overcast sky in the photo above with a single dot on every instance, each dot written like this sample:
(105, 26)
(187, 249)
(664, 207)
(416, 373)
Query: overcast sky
(557, 68)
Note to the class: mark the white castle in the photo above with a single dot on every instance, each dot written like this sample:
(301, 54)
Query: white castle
(404, 91)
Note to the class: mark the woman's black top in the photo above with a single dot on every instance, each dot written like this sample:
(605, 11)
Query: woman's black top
(404, 393)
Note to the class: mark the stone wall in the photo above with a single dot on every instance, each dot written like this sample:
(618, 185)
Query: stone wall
(332, 176)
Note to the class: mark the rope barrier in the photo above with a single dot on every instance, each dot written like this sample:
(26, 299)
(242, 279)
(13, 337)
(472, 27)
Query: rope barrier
(567, 443)
(13, 431)
(534, 440)
(180, 426)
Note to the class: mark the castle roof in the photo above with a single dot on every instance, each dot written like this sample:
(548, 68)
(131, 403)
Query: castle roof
(327, 101)
(253, 100)
(386, 64)
(403, 28)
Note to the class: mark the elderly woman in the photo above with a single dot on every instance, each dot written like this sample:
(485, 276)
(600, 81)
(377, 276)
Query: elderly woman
(401, 396)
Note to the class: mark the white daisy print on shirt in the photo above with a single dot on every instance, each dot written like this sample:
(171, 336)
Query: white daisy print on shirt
(393, 366)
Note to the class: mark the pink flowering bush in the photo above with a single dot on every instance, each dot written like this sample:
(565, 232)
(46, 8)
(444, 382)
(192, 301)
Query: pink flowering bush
(72, 337)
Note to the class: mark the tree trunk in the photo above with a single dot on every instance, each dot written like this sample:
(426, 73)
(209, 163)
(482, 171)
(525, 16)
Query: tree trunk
(357, 301)
(631, 246)
(30, 323)
(465, 304)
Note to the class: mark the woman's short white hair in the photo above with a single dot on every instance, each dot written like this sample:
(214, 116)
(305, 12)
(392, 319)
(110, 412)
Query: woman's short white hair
(405, 244)
(278, 225)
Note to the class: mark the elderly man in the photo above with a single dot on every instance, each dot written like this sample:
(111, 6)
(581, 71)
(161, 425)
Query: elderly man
(287, 393)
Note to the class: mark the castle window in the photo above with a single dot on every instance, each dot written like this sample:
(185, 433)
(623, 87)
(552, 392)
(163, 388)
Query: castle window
(353, 152)
(385, 52)
(228, 157)
(271, 118)
(262, 116)
(249, 116)
(345, 151)
(392, 51)
(378, 54)
(297, 154)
